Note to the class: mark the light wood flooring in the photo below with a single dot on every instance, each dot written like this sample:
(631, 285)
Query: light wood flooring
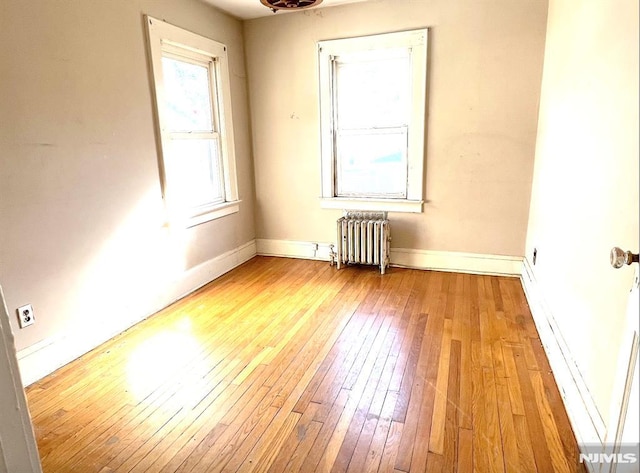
(289, 365)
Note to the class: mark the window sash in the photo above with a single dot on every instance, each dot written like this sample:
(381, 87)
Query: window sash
(215, 145)
(185, 185)
(195, 169)
(372, 178)
(396, 80)
(377, 172)
(412, 43)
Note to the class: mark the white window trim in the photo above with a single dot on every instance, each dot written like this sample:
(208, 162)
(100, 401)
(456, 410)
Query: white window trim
(416, 40)
(389, 205)
(164, 36)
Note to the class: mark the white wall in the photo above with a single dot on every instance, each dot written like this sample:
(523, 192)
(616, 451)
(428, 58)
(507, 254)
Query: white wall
(585, 188)
(485, 68)
(83, 234)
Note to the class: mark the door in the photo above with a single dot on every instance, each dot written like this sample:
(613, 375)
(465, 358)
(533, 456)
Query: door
(18, 450)
(623, 436)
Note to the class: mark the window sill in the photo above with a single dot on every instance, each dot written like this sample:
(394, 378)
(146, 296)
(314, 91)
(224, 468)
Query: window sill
(389, 205)
(213, 212)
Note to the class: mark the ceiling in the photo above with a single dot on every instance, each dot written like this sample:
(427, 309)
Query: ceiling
(248, 9)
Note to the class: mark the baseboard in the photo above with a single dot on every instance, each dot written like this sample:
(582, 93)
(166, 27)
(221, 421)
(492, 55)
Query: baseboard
(405, 258)
(586, 420)
(45, 357)
(206, 272)
(474, 263)
(294, 249)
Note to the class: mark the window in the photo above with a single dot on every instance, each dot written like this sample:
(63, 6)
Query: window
(193, 101)
(372, 109)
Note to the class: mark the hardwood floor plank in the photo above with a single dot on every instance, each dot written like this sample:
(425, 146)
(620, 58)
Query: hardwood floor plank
(451, 428)
(216, 457)
(293, 396)
(491, 431)
(417, 428)
(411, 397)
(380, 438)
(378, 415)
(435, 464)
(358, 323)
(328, 426)
(178, 443)
(510, 311)
(525, 451)
(407, 328)
(268, 454)
(550, 429)
(481, 441)
(408, 385)
(465, 451)
(561, 420)
(303, 449)
(342, 443)
(336, 378)
(419, 453)
(390, 451)
(452, 425)
(291, 454)
(535, 426)
(462, 333)
(498, 359)
(507, 430)
(436, 442)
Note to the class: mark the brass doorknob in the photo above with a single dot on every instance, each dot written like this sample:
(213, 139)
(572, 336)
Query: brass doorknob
(619, 258)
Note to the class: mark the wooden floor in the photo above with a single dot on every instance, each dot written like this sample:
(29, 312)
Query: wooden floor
(289, 365)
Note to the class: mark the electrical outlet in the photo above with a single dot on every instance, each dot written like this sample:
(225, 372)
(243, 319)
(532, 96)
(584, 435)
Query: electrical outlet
(25, 316)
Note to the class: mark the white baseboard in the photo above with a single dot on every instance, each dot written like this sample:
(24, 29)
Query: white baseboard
(54, 352)
(586, 420)
(405, 258)
(451, 261)
(294, 249)
(206, 272)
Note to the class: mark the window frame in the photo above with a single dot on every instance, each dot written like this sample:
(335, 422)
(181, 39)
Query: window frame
(415, 41)
(170, 41)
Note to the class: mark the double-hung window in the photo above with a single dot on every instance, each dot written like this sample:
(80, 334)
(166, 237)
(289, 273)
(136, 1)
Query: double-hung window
(372, 106)
(193, 102)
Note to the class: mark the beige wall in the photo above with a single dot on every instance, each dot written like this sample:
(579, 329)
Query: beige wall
(484, 80)
(585, 190)
(81, 215)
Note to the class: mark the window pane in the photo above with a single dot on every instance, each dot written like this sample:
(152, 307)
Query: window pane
(193, 172)
(187, 97)
(372, 164)
(373, 93)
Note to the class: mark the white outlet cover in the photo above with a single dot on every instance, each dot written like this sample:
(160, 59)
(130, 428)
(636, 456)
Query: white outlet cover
(26, 316)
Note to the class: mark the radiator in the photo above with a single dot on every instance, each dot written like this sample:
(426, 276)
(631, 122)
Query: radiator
(363, 238)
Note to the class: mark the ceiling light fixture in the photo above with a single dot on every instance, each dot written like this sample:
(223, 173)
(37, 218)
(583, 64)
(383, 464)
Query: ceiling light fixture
(276, 5)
